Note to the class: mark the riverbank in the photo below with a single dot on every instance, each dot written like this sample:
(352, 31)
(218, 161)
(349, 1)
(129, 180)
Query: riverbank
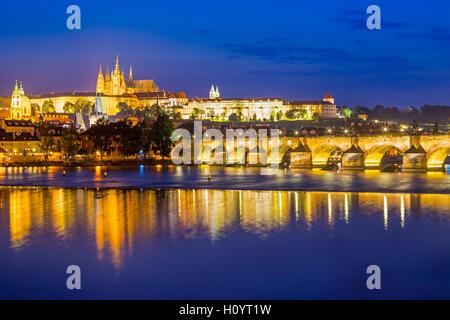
(74, 164)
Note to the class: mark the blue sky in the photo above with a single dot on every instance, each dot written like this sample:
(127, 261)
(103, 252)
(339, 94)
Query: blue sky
(289, 49)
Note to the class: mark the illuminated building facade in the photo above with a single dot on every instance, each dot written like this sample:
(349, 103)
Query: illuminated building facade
(323, 108)
(116, 85)
(246, 109)
(257, 108)
(20, 103)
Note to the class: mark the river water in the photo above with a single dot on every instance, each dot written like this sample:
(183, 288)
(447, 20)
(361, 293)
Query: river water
(206, 241)
(226, 178)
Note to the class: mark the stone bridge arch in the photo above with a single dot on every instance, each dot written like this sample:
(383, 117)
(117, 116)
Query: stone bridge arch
(369, 143)
(437, 157)
(373, 157)
(322, 154)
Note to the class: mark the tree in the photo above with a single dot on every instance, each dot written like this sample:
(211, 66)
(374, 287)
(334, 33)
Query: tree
(272, 116)
(302, 114)
(127, 138)
(177, 116)
(100, 134)
(233, 117)
(316, 117)
(279, 115)
(161, 135)
(378, 108)
(346, 112)
(145, 136)
(83, 106)
(150, 112)
(357, 110)
(146, 112)
(47, 145)
(69, 107)
(196, 112)
(48, 107)
(296, 114)
(188, 125)
(35, 109)
(290, 114)
(171, 112)
(211, 114)
(69, 143)
(124, 109)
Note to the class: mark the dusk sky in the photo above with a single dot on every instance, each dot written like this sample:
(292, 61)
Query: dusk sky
(289, 49)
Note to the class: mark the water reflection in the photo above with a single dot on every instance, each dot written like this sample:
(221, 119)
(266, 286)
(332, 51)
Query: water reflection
(115, 220)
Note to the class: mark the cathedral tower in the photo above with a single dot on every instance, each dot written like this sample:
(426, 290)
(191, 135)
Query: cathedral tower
(100, 81)
(107, 77)
(117, 81)
(217, 92)
(114, 83)
(20, 103)
(212, 92)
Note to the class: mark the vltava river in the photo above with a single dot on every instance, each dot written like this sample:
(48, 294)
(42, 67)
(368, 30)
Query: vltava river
(246, 178)
(214, 244)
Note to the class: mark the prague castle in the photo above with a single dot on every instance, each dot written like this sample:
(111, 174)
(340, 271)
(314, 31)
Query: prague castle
(113, 89)
(116, 85)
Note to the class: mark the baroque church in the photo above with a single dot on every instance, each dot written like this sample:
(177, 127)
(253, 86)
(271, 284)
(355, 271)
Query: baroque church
(115, 84)
(20, 103)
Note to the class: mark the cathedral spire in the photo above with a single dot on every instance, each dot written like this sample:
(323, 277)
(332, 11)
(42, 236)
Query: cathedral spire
(131, 73)
(117, 69)
(100, 73)
(16, 87)
(217, 92)
(212, 92)
(107, 77)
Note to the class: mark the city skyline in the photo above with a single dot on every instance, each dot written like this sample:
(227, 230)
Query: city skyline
(216, 158)
(304, 53)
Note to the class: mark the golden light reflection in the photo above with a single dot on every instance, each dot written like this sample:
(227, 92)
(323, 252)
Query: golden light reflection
(346, 208)
(19, 217)
(115, 220)
(330, 210)
(402, 211)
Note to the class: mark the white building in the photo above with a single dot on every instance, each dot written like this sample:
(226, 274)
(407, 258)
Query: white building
(216, 108)
(244, 108)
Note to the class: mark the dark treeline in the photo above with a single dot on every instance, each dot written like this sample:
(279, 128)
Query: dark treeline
(128, 139)
(425, 114)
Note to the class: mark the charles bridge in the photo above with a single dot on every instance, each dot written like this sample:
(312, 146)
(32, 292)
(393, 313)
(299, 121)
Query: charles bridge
(419, 152)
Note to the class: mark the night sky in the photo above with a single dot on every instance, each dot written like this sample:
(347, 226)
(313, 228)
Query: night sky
(284, 48)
